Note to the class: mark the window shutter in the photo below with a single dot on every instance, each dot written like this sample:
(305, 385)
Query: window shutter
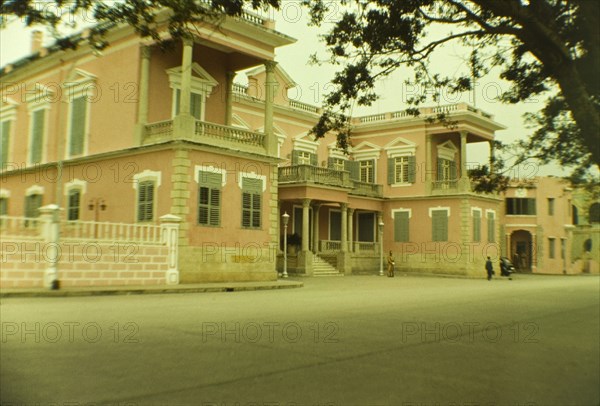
(440, 169)
(3, 206)
(196, 105)
(177, 96)
(477, 226)
(453, 170)
(313, 160)
(330, 162)
(391, 171)
(353, 168)
(372, 172)
(246, 209)
(294, 157)
(439, 225)
(491, 225)
(215, 207)
(146, 201)
(412, 169)
(251, 202)
(4, 134)
(37, 136)
(73, 210)
(256, 208)
(78, 112)
(401, 226)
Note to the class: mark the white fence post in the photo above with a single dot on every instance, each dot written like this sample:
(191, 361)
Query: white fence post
(51, 253)
(169, 227)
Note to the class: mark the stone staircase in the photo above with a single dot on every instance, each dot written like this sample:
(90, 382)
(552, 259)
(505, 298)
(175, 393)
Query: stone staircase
(325, 266)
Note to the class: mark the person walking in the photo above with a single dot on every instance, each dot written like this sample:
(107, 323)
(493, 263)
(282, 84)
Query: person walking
(391, 263)
(489, 268)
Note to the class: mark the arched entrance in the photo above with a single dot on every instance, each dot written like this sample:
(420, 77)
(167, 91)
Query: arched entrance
(521, 250)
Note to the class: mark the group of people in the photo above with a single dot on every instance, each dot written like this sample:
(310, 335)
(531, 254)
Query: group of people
(391, 263)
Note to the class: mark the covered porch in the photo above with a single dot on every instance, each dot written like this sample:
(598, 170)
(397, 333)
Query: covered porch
(328, 229)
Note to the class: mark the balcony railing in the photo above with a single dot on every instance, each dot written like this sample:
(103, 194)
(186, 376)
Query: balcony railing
(366, 189)
(330, 246)
(160, 129)
(229, 133)
(366, 247)
(313, 174)
(444, 184)
(423, 111)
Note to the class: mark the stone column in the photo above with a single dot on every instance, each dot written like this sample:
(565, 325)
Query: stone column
(464, 184)
(491, 143)
(270, 139)
(49, 216)
(143, 101)
(186, 77)
(316, 209)
(344, 233)
(350, 229)
(305, 214)
(169, 230)
(229, 97)
(428, 166)
(184, 124)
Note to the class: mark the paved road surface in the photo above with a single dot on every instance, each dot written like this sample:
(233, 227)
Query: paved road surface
(363, 340)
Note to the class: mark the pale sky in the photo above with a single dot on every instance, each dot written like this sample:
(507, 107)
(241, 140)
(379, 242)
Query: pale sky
(313, 81)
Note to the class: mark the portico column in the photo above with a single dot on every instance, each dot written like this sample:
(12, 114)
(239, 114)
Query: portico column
(491, 143)
(229, 97)
(344, 233)
(350, 231)
(305, 212)
(316, 209)
(143, 101)
(464, 179)
(428, 166)
(186, 77)
(270, 140)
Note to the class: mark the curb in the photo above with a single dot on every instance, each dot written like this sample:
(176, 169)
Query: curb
(151, 290)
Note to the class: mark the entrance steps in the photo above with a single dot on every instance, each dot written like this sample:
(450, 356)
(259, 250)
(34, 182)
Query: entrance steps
(325, 266)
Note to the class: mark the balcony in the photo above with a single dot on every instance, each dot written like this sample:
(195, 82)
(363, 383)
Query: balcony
(310, 174)
(207, 133)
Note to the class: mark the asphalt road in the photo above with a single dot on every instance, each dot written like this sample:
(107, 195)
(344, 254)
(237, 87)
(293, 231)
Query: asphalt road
(362, 340)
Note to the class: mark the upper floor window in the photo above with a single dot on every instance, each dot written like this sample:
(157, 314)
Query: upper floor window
(446, 170)
(401, 169)
(520, 206)
(551, 206)
(594, 213)
(37, 135)
(251, 202)
(304, 158)
(77, 125)
(367, 171)
(201, 86)
(338, 164)
(5, 127)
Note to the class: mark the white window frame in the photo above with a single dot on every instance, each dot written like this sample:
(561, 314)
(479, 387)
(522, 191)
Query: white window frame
(201, 84)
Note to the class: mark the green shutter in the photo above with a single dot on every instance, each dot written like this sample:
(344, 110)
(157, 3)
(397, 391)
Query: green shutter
(453, 170)
(476, 226)
(32, 204)
(251, 202)
(210, 179)
(354, 169)
(78, 113)
(215, 207)
(252, 185)
(330, 162)
(412, 169)
(196, 105)
(146, 201)
(73, 209)
(3, 206)
(313, 160)
(294, 157)
(440, 169)
(4, 135)
(37, 135)
(177, 97)
(209, 198)
(401, 226)
(439, 223)
(491, 225)
(391, 171)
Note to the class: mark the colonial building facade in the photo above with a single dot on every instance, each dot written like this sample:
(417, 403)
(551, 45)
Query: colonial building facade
(137, 133)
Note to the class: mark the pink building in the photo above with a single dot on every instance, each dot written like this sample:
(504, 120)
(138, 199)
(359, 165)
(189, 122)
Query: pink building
(136, 133)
